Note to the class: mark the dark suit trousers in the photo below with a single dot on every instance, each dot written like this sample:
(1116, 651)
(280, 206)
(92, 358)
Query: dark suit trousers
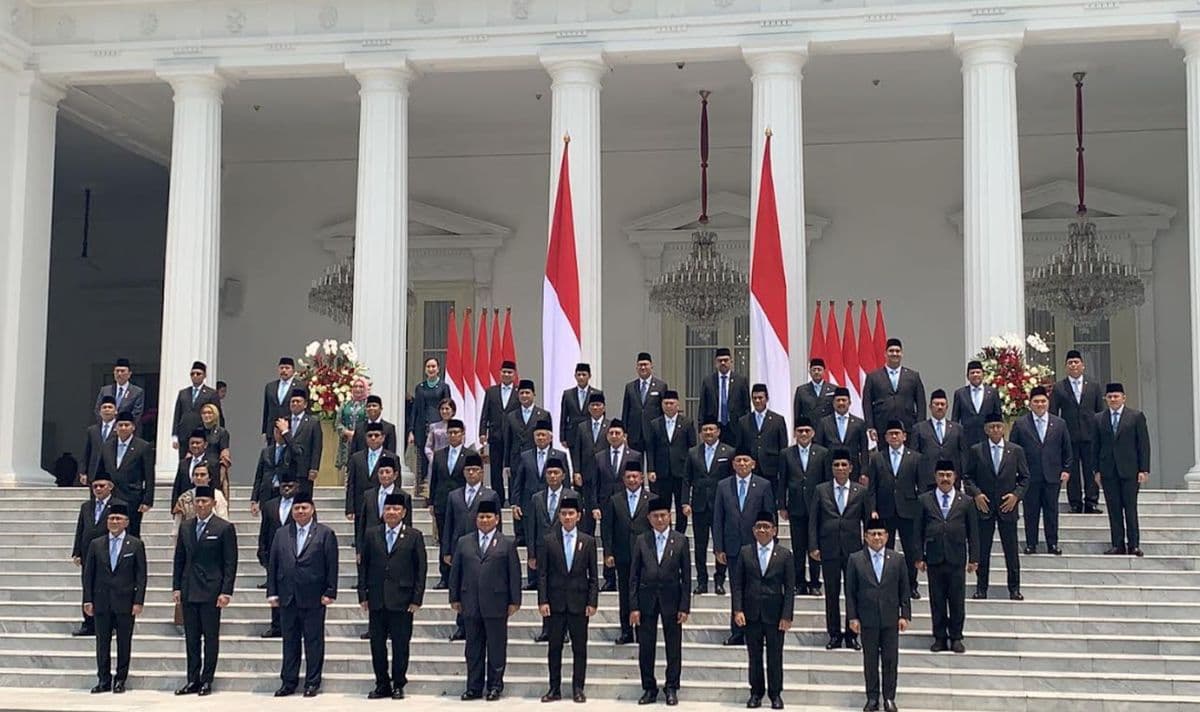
(1041, 499)
(1081, 487)
(908, 540)
(799, 526)
(135, 522)
(1008, 540)
(487, 647)
(881, 645)
(496, 465)
(559, 625)
(1121, 497)
(439, 518)
(647, 642)
(947, 600)
(835, 575)
(106, 625)
(397, 626)
(701, 529)
(759, 634)
(202, 622)
(623, 594)
(666, 488)
(305, 625)
(731, 560)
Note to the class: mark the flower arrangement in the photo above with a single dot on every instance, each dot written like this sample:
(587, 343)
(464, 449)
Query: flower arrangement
(329, 368)
(1006, 368)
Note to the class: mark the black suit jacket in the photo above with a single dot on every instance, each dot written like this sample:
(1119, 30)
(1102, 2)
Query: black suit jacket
(268, 471)
(1047, 459)
(93, 449)
(604, 481)
(539, 521)
(737, 392)
(856, 440)
(443, 481)
(799, 484)
(187, 413)
(981, 476)
(953, 447)
(360, 477)
(120, 590)
(700, 482)
(133, 480)
(807, 402)
(525, 477)
(767, 445)
(568, 591)
(584, 448)
(392, 581)
(183, 475)
(368, 516)
(669, 583)
(486, 584)
(272, 408)
(460, 519)
(205, 568)
(269, 523)
(733, 528)
(618, 530)
(1080, 415)
(881, 404)
(134, 400)
(311, 442)
(838, 535)
(358, 441)
(667, 457)
(895, 493)
(492, 419)
(302, 580)
(1127, 452)
(424, 409)
(570, 415)
(87, 527)
(764, 597)
(637, 415)
(877, 604)
(953, 539)
(963, 412)
(518, 434)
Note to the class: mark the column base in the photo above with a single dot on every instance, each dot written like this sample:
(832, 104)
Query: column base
(35, 477)
(1192, 478)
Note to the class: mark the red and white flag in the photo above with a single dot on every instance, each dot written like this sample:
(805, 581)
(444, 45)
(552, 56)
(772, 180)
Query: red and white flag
(453, 365)
(833, 352)
(468, 412)
(561, 348)
(866, 344)
(816, 347)
(483, 369)
(508, 352)
(880, 337)
(850, 365)
(496, 356)
(769, 296)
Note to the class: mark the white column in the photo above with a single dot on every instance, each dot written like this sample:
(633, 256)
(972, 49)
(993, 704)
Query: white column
(776, 74)
(28, 107)
(993, 261)
(575, 112)
(381, 227)
(191, 277)
(1190, 41)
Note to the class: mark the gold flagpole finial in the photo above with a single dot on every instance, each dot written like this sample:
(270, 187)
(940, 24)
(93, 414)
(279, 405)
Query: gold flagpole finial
(566, 138)
(768, 132)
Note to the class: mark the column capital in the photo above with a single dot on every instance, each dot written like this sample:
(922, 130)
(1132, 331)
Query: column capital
(377, 71)
(1187, 38)
(37, 87)
(193, 79)
(585, 66)
(786, 60)
(979, 47)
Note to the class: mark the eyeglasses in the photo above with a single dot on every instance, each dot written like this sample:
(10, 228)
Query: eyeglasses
(763, 527)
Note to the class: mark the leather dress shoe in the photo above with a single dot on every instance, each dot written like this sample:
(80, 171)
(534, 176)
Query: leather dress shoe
(871, 706)
(262, 585)
(938, 646)
(189, 689)
(958, 647)
(701, 588)
(441, 586)
(82, 631)
(531, 586)
(1092, 509)
(1115, 551)
(102, 687)
(1054, 550)
(754, 702)
(119, 687)
(493, 695)
(890, 706)
(1135, 551)
(398, 693)
(719, 588)
(552, 696)
(365, 635)
(648, 697)
(624, 639)
(1076, 509)
(1015, 596)
(1029, 550)
(470, 695)
(205, 689)
(735, 639)
(852, 642)
(609, 587)
(915, 594)
(980, 594)
(312, 691)
(672, 697)
(579, 697)
(541, 638)
(814, 590)
(458, 634)
(285, 691)
(835, 641)
(777, 702)
(272, 633)
(379, 693)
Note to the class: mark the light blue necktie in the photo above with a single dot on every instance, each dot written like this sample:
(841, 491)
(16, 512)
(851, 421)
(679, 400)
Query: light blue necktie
(285, 506)
(741, 493)
(550, 506)
(301, 537)
(569, 548)
(1116, 419)
(1041, 429)
(803, 452)
(525, 415)
(945, 505)
(723, 416)
(895, 461)
(977, 398)
(283, 389)
(894, 377)
(877, 563)
(99, 510)
(470, 496)
(114, 551)
(661, 545)
(709, 453)
(595, 430)
(764, 555)
(200, 524)
(583, 398)
(382, 498)
(452, 458)
(645, 387)
(372, 456)
(195, 394)
(541, 461)
(633, 498)
(841, 499)
(841, 423)
(120, 394)
(105, 431)
(295, 423)
(759, 417)
(391, 539)
(997, 453)
(123, 446)
(278, 454)
(937, 426)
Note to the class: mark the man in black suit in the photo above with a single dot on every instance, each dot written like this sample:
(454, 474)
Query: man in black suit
(837, 514)
(763, 583)
(370, 516)
(573, 408)
(938, 438)
(813, 400)
(306, 433)
(427, 397)
(129, 461)
(91, 524)
(126, 396)
(97, 435)
(445, 476)
(202, 579)
(606, 475)
(974, 402)
(528, 476)
(739, 499)
(362, 468)
(660, 574)
(197, 456)
(542, 519)
(498, 402)
(360, 441)
(590, 437)
(568, 595)
(642, 402)
(276, 514)
(188, 403)
(1077, 400)
(879, 609)
(276, 395)
(996, 478)
(519, 427)
(707, 464)
(668, 440)
(623, 521)
(844, 429)
(1050, 457)
(279, 458)
(894, 474)
(893, 392)
(724, 396)
(114, 589)
(462, 506)
(948, 532)
(805, 466)
(1122, 456)
(764, 433)
(391, 588)
(302, 579)
(485, 587)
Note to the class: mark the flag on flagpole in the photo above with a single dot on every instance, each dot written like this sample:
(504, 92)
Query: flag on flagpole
(453, 367)
(866, 344)
(880, 336)
(483, 368)
(817, 347)
(834, 371)
(507, 351)
(769, 294)
(468, 413)
(850, 361)
(561, 346)
(497, 357)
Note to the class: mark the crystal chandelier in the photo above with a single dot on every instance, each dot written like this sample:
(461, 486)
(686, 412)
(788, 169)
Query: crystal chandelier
(332, 294)
(705, 289)
(1083, 280)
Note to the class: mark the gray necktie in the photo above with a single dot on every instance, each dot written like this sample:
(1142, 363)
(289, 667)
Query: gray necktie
(945, 504)
(633, 500)
(122, 447)
(99, 511)
(382, 498)
(200, 524)
(616, 458)
(841, 499)
(894, 377)
(645, 389)
(114, 551)
(1041, 429)
(662, 545)
(391, 539)
(1116, 420)
(877, 564)
(741, 493)
(595, 430)
(470, 496)
(195, 394)
(301, 537)
(120, 394)
(937, 426)
(295, 423)
(104, 431)
(997, 453)
(551, 505)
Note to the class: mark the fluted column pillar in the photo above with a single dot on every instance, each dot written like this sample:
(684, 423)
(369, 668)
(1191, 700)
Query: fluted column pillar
(1189, 40)
(993, 259)
(28, 108)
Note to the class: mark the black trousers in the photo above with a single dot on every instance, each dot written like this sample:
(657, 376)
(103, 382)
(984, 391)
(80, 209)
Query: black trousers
(397, 626)
(759, 634)
(135, 522)
(443, 568)
(496, 463)
(907, 530)
(835, 576)
(106, 625)
(422, 473)
(947, 600)
(1041, 500)
(201, 623)
(623, 594)
(487, 650)
(1008, 540)
(881, 645)
(307, 626)
(1082, 489)
(666, 488)
(648, 642)
(800, 547)
(1121, 497)
(559, 624)
(731, 560)
(701, 530)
